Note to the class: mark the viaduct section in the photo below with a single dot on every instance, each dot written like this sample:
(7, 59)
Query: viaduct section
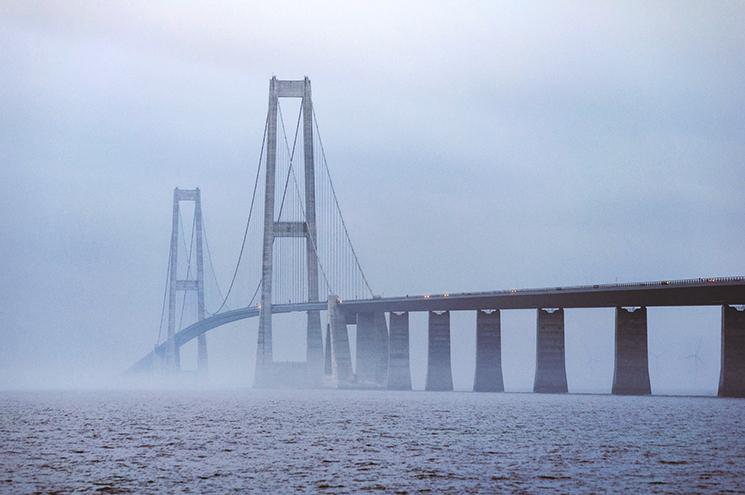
(383, 350)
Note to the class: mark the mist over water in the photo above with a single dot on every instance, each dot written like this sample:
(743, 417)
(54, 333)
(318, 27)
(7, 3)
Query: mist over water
(677, 366)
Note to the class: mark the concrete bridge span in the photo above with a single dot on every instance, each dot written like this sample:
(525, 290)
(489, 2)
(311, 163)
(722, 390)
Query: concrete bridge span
(689, 292)
(631, 367)
(383, 350)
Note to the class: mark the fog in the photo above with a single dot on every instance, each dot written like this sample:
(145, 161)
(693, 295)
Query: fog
(479, 148)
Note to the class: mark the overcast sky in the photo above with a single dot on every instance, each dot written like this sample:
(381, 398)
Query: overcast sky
(474, 146)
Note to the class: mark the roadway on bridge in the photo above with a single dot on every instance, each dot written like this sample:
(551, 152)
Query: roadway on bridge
(691, 292)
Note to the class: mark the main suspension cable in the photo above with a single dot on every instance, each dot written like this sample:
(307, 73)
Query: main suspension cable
(165, 296)
(253, 298)
(248, 220)
(209, 260)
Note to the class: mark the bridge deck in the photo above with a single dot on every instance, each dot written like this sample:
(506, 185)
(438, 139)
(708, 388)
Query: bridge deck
(200, 327)
(690, 292)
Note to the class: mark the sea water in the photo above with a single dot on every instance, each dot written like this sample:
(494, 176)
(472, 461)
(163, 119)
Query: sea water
(366, 441)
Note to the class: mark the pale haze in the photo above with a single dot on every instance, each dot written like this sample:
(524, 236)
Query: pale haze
(473, 146)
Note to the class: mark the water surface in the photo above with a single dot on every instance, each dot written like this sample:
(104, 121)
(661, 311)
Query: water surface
(354, 441)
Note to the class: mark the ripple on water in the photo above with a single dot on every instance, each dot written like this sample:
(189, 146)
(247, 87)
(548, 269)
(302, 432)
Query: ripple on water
(352, 442)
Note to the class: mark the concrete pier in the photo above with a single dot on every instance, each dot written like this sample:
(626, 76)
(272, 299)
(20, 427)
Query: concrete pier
(341, 358)
(381, 349)
(202, 355)
(439, 372)
(372, 350)
(631, 369)
(399, 370)
(176, 356)
(550, 367)
(488, 352)
(732, 372)
(328, 368)
(314, 347)
(366, 346)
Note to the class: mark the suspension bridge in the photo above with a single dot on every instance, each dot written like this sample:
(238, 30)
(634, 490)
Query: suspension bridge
(296, 255)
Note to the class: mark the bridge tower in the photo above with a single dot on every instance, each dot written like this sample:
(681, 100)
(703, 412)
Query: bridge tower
(274, 228)
(176, 285)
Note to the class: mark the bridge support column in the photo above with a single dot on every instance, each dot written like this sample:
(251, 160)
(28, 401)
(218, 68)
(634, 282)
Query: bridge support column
(172, 350)
(439, 372)
(631, 368)
(201, 311)
(177, 284)
(550, 367)
(399, 371)
(381, 350)
(732, 372)
(314, 349)
(341, 359)
(264, 352)
(488, 352)
(372, 350)
(314, 343)
(277, 229)
(202, 355)
(366, 349)
(328, 368)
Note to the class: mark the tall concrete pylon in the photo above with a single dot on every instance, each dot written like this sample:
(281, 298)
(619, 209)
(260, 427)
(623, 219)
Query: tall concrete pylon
(189, 284)
(274, 228)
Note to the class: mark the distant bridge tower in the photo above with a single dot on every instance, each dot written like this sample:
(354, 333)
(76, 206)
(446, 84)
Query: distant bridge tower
(274, 228)
(175, 284)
